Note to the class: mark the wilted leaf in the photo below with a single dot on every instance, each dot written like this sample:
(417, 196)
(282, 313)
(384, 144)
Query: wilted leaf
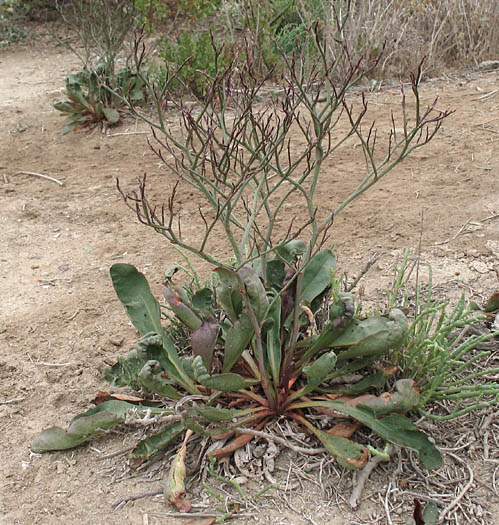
(102, 397)
(201, 300)
(175, 484)
(146, 448)
(83, 427)
(228, 294)
(255, 290)
(181, 310)
(151, 379)
(204, 340)
(405, 398)
(344, 429)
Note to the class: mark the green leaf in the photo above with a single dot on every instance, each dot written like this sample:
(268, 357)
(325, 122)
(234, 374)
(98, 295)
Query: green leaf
(291, 250)
(276, 272)
(112, 115)
(372, 336)
(113, 406)
(320, 368)
(151, 379)
(64, 107)
(201, 300)
(273, 347)
(133, 291)
(228, 294)
(376, 380)
(126, 371)
(405, 398)
(83, 427)
(204, 340)
(181, 310)
(222, 382)
(316, 277)
(256, 291)
(218, 415)
(394, 428)
(348, 453)
(146, 448)
(430, 513)
(237, 340)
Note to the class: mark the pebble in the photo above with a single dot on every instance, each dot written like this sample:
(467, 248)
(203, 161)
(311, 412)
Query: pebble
(479, 267)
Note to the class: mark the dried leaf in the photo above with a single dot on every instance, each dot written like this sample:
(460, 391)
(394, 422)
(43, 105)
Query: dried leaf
(102, 397)
(175, 484)
(344, 429)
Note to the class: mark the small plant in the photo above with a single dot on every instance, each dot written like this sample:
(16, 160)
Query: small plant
(90, 104)
(104, 28)
(9, 17)
(257, 350)
(442, 353)
(197, 58)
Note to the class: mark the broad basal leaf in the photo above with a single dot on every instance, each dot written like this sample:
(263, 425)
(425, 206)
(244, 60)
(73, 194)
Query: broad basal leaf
(237, 340)
(255, 290)
(394, 428)
(133, 291)
(320, 368)
(348, 453)
(151, 379)
(148, 447)
(83, 427)
(228, 295)
(372, 336)
(316, 277)
(405, 398)
(223, 382)
(112, 115)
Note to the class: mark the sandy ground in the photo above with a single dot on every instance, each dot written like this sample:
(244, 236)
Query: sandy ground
(61, 324)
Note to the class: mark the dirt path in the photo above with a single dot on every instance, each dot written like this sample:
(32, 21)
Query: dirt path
(60, 323)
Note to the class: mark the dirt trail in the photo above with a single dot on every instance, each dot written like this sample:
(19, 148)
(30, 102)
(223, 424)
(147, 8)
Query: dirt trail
(60, 323)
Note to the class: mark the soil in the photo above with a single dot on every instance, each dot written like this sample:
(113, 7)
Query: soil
(61, 323)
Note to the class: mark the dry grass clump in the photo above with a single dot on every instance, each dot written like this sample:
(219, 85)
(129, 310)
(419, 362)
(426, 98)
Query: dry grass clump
(451, 33)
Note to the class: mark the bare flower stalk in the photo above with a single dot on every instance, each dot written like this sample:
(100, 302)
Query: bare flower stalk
(237, 153)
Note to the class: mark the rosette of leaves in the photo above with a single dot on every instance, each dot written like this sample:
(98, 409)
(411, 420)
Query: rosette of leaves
(255, 356)
(89, 103)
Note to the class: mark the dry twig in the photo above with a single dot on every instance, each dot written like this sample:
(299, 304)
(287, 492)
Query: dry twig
(41, 175)
(282, 441)
(361, 480)
(461, 494)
